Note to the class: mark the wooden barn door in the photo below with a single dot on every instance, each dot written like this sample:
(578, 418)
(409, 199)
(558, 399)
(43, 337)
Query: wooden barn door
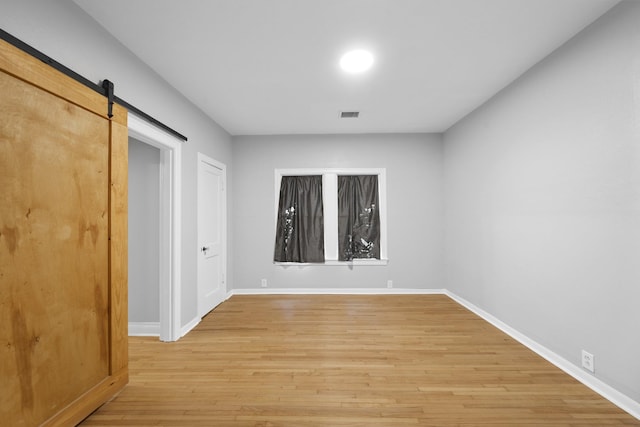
(63, 245)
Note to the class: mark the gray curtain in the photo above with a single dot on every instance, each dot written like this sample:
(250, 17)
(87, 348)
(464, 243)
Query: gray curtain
(358, 217)
(300, 229)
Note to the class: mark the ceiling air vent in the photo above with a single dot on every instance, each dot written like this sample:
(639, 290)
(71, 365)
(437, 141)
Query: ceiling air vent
(349, 114)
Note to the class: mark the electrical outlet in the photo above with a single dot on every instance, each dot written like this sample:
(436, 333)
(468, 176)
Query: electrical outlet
(588, 361)
(389, 283)
(263, 283)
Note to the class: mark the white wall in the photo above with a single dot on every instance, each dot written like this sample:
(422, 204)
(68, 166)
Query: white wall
(542, 201)
(144, 239)
(62, 30)
(414, 208)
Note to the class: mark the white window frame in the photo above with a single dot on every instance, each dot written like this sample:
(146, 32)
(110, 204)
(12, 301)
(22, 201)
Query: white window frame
(330, 211)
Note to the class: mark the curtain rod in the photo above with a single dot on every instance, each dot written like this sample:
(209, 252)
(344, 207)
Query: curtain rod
(102, 90)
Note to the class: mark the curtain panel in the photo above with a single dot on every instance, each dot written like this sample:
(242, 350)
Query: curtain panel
(300, 228)
(358, 217)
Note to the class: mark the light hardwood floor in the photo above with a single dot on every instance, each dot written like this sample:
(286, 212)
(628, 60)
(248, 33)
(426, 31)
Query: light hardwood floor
(329, 360)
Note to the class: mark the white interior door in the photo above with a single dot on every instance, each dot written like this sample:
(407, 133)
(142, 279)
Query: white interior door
(211, 234)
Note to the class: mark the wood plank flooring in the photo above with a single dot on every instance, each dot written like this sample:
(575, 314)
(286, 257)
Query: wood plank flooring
(341, 360)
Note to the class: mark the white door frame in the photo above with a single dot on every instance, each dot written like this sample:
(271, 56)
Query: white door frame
(170, 221)
(202, 158)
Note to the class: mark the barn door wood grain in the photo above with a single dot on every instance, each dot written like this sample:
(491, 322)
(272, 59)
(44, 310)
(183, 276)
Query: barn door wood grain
(63, 245)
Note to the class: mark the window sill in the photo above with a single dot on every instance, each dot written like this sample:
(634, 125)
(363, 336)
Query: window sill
(355, 262)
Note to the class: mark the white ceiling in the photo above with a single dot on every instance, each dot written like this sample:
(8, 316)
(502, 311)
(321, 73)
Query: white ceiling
(261, 67)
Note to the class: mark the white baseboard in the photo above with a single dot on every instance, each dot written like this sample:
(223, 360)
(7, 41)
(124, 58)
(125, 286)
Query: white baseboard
(189, 326)
(614, 396)
(144, 329)
(334, 291)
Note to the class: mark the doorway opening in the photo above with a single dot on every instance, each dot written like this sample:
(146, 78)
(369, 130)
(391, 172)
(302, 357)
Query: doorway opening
(144, 245)
(169, 234)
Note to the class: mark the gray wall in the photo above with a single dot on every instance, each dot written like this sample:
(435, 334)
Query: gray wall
(414, 208)
(144, 238)
(64, 32)
(542, 201)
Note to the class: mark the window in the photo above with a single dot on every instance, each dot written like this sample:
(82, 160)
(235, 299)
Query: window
(300, 226)
(330, 216)
(358, 217)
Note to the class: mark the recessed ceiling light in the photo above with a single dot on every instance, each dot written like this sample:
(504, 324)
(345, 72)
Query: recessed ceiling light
(356, 61)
